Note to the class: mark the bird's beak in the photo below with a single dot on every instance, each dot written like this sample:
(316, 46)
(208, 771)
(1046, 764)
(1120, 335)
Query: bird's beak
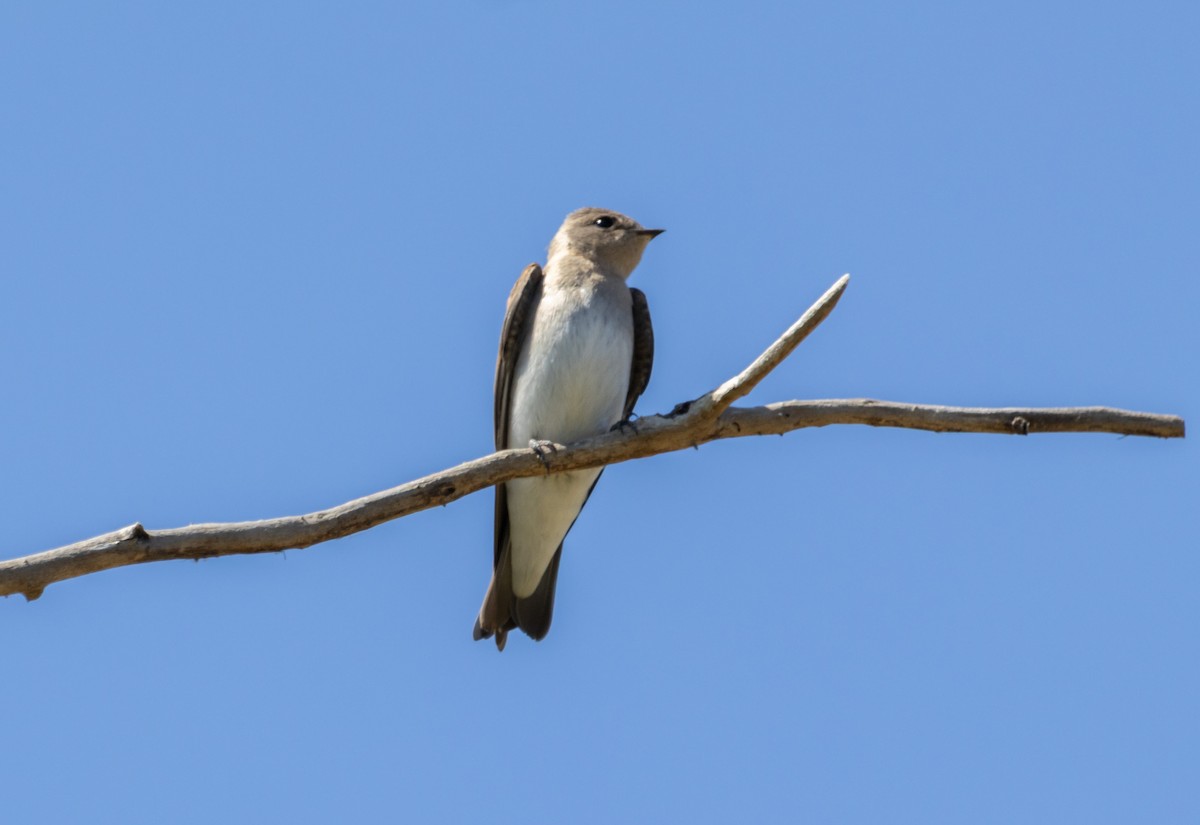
(650, 233)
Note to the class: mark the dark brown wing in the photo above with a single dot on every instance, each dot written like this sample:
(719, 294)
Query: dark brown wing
(520, 305)
(643, 350)
(495, 616)
(521, 302)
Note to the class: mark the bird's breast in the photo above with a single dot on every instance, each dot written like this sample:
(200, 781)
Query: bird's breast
(572, 374)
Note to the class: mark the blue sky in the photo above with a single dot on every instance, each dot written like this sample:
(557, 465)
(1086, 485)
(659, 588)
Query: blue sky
(253, 262)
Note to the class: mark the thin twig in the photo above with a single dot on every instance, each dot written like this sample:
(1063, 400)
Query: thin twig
(712, 404)
(744, 382)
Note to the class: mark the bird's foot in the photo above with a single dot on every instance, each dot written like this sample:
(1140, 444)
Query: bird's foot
(542, 448)
(625, 425)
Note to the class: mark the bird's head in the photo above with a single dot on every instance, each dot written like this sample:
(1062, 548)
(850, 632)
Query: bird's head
(610, 239)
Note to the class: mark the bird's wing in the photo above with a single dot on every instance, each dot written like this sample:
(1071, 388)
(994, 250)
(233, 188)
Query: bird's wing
(521, 302)
(643, 350)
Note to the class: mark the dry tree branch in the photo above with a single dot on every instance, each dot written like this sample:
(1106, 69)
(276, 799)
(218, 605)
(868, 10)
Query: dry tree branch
(711, 405)
(708, 418)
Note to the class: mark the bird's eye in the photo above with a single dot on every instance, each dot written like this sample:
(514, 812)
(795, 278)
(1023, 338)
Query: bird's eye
(604, 222)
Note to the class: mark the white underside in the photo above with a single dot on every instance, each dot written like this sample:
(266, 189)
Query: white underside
(571, 380)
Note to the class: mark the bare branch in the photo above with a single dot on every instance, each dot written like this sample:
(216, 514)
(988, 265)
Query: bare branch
(712, 404)
(707, 419)
(777, 419)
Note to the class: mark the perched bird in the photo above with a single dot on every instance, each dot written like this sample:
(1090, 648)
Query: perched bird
(575, 353)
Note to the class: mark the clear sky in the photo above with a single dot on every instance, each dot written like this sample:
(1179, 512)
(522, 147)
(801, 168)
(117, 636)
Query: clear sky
(253, 262)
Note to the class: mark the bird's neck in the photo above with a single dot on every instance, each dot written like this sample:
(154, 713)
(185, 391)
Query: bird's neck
(567, 266)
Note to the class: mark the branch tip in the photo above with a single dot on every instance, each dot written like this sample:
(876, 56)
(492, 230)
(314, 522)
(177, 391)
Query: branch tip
(712, 404)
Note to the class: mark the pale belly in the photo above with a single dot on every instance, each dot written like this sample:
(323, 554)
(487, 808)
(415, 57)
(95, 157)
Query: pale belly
(569, 384)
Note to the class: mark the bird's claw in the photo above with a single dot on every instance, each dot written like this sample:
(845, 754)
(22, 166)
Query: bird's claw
(542, 448)
(624, 425)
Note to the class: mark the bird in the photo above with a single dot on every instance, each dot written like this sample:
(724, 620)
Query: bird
(576, 351)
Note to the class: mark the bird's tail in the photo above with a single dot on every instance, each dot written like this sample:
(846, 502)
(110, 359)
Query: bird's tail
(495, 614)
(502, 610)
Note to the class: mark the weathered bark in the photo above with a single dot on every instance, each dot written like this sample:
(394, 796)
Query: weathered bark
(707, 418)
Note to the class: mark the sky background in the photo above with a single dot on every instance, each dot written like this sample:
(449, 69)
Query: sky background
(253, 262)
